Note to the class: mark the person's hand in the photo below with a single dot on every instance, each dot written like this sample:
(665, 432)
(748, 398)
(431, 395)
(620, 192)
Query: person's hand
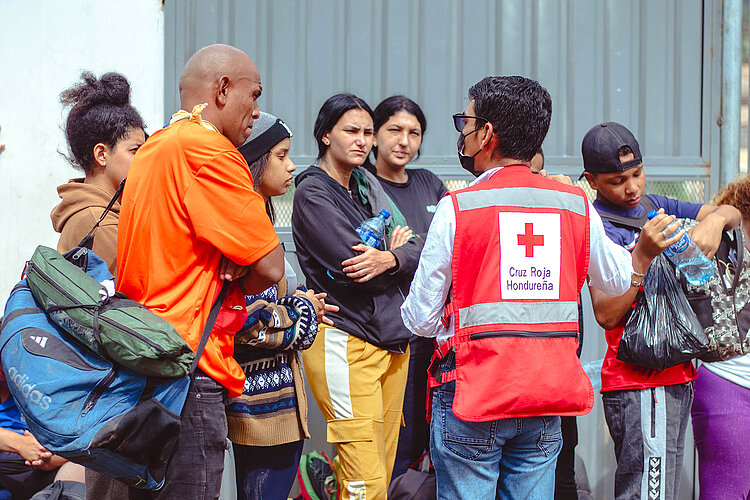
(230, 271)
(369, 264)
(655, 238)
(50, 463)
(30, 449)
(320, 305)
(399, 236)
(707, 237)
(556, 177)
(2, 146)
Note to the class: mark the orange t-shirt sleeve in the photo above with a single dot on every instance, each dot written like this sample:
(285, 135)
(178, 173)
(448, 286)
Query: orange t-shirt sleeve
(226, 212)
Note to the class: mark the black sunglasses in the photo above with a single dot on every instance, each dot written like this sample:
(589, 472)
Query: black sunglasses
(459, 120)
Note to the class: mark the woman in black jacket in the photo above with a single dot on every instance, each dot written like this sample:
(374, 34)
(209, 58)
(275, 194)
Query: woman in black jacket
(356, 369)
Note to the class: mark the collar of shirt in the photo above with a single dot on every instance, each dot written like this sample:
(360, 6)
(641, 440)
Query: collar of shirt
(485, 175)
(194, 115)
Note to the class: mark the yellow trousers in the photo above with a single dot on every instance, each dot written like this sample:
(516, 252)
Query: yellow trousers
(359, 389)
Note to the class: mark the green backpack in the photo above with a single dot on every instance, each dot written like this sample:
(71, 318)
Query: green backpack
(317, 478)
(115, 327)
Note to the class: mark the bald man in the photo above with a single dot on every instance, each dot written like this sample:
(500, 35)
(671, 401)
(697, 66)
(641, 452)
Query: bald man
(190, 220)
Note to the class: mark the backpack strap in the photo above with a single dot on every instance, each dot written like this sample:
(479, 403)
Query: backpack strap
(209, 326)
(735, 239)
(740, 239)
(88, 240)
(635, 223)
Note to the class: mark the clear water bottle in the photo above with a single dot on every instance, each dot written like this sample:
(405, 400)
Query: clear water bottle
(372, 230)
(688, 258)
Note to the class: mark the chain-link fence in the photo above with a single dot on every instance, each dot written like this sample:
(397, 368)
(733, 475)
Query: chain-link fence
(693, 191)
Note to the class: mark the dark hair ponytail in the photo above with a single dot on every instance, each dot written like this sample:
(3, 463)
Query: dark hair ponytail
(100, 113)
(257, 170)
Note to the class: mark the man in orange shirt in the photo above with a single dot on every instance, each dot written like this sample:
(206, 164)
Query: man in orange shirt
(190, 219)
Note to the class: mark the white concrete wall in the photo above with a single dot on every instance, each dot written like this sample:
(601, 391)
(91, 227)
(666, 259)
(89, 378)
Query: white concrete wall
(44, 46)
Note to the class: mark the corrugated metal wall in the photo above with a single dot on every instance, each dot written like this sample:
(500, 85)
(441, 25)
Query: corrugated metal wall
(637, 62)
(650, 65)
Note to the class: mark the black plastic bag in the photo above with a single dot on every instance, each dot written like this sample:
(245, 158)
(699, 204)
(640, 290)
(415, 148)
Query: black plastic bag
(662, 330)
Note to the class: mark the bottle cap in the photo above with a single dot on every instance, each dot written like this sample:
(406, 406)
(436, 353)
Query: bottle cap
(651, 214)
(385, 213)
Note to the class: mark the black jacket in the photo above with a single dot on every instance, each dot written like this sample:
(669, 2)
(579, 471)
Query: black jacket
(324, 220)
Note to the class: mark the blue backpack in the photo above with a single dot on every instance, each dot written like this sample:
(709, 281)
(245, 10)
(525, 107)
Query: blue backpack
(84, 407)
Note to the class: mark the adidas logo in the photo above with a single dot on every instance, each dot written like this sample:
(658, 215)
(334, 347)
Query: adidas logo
(42, 341)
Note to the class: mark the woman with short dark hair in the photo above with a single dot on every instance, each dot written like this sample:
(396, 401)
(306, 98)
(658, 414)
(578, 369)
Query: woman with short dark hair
(357, 368)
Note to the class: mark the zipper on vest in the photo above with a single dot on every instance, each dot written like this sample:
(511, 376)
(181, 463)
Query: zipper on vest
(135, 334)
(513, 333)
(98, 391)
(653, 412)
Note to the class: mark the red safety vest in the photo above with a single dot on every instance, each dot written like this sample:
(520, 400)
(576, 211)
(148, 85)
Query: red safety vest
(520, 258)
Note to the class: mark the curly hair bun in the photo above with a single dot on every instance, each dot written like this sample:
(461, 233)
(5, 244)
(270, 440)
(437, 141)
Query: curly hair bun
(100, 113)
(111, 88)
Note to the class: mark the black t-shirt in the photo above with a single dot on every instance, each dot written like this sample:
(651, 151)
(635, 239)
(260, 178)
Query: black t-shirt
(417, 198)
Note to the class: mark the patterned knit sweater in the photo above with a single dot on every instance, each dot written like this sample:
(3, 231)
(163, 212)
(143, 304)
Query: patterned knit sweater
(273, 407)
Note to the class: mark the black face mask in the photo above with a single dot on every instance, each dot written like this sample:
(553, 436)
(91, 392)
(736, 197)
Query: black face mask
(467, 162)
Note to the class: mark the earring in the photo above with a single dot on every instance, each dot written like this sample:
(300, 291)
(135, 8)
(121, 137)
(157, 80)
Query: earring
(325, 141)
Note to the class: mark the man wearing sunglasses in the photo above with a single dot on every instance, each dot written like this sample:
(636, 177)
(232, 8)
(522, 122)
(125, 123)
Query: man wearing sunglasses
(508, 255)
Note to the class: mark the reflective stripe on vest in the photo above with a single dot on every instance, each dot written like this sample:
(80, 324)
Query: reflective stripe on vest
(524, 313)
(522, 197)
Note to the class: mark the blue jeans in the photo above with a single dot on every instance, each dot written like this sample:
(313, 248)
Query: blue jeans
(507, 459)
(266, 472)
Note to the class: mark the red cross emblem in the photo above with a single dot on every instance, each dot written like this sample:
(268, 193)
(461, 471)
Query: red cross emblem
(529, 239)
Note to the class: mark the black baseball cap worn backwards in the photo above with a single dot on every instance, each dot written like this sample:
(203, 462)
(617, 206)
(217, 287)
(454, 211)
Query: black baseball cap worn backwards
(601, 146)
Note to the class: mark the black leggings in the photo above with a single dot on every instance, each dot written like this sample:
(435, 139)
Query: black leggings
(20, 479)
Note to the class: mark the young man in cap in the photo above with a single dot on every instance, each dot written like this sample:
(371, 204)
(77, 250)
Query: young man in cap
(513, 250)
(646, 410)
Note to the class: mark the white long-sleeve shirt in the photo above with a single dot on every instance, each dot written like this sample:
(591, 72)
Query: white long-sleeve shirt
(610, 269)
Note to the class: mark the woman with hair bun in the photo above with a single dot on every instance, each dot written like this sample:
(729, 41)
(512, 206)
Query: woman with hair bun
(103, 132)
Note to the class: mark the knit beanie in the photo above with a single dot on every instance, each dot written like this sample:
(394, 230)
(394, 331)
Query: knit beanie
(267, 132)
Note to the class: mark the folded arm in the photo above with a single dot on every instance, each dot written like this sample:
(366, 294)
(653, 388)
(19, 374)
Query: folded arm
(712, 222)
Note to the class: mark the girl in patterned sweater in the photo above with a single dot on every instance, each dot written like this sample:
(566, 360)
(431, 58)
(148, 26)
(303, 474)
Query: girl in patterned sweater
(268, 423)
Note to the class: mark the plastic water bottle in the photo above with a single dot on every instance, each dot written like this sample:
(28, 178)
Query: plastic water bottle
(688, 258)
(372, 230)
